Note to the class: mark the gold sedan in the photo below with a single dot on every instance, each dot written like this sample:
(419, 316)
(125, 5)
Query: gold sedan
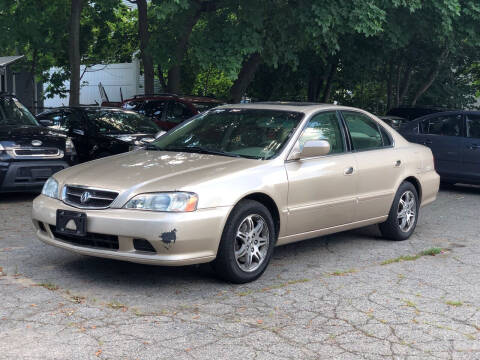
(229, 185)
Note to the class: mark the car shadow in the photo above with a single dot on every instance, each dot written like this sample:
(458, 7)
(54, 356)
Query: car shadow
(461, 188)
(14, 197)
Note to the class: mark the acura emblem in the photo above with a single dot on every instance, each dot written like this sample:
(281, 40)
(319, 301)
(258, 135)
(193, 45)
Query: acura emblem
(36, 143)
(85, 197)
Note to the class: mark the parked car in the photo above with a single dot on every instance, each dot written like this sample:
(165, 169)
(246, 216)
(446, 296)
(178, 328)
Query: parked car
(229, 185)
(169, 110)
(98, 131)
(29, 153)
(414, 112)
(454, 138)
(394, 121)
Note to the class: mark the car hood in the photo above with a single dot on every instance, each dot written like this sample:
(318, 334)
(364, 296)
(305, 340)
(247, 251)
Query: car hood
(149, 171)
(15, 136)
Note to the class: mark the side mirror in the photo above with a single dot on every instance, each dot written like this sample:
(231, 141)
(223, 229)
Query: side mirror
(312, 148)
(46, 122)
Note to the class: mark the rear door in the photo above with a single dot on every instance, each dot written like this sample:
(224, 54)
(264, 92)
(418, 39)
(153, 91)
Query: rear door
(471, 148)
(379, 165)
(443, 134)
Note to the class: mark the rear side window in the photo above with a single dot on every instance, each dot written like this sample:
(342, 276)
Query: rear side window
(473, 126)
(446, 125)
(324, 126)
(154, 109)
(364, 132)
(178, 112)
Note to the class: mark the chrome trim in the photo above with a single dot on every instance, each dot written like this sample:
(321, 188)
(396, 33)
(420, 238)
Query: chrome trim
(79, 206)
(13, 153)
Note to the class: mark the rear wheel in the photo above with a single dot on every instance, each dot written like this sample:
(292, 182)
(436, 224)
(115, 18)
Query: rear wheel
(403, 215)
(247, 243)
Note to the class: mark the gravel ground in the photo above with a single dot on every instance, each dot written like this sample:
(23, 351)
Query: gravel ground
(344, 296)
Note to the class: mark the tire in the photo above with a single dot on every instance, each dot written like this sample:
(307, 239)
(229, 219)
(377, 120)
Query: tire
(240, 243)
(401, 228)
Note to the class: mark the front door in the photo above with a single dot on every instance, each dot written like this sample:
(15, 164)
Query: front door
(321, 189)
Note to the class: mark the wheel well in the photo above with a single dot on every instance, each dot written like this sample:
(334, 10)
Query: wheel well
(268, 202)
(417, 185)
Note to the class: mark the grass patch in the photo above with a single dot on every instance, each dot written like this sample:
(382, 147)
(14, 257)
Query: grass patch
(454, 303)
(429, 252)
(343, 273)
(49, 286)
(432, 251)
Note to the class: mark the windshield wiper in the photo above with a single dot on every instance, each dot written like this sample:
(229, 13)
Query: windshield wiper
(199, 149)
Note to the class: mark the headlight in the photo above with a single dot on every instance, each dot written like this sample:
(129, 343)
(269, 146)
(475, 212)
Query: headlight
(50, 188)
(168, 201)
(70, 147)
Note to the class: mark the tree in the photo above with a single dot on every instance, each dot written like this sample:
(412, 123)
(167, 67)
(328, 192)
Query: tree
(74, 52)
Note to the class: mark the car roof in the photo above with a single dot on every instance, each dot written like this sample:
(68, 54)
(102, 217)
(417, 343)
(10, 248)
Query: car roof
(282, 106)
(164, 96)
(452, 112)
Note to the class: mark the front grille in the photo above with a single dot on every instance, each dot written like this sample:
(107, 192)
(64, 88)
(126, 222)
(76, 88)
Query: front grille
(31, 153)
(87, 198)
(94, 240)
(33, 174)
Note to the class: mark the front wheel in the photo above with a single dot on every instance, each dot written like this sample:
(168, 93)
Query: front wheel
(403, 215)
(247, 243)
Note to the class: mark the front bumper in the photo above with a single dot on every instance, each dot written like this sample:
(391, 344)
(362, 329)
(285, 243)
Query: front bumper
(176, 238)
(28, 175)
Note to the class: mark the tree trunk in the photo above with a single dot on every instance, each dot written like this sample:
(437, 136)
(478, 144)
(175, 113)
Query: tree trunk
(161, 78)
(144, 35)
(405, 83)
(432, 75)
(74, 52)
(175, 73)
(397, 85)
(246, 75)
(328, 84)
(390, 85)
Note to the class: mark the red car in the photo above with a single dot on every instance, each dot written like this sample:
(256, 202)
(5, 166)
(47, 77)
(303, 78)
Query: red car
(169, 110)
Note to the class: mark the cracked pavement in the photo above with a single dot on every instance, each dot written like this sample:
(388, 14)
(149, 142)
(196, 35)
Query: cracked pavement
(341, 296)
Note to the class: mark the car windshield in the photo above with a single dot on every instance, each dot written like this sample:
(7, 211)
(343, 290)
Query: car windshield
(12, 112)
(251, 133)
(114, 122)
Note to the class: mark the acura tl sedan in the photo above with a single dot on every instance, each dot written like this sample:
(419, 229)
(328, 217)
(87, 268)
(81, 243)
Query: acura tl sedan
(229, 185)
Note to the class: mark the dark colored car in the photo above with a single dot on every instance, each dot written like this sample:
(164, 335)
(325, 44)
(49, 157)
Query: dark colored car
(29, 153)
(169, 110)
(98, 132)
(412, 113)
(454, 138)
(394, 121)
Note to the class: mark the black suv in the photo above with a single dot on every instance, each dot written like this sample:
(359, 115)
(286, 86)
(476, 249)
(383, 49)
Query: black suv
(100, 131)
(29, 153)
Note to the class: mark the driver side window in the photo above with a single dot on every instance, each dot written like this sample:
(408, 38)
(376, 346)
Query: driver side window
(324, 126)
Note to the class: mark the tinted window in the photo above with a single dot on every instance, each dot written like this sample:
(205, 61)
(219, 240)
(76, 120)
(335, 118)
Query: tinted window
(154, 108)
(364, 132)
(121, 122)
(447, 125)
(324, 126)
(72, 120)
(178, 112)
(473, 126)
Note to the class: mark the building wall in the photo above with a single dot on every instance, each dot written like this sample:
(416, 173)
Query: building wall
(113, 77)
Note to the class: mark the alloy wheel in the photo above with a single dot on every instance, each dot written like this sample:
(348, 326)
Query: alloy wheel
(407, 211)
(251, 242)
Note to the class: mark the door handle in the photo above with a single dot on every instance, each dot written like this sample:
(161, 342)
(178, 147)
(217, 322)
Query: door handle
(473, 146)
(349, 171)
(398, 163)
